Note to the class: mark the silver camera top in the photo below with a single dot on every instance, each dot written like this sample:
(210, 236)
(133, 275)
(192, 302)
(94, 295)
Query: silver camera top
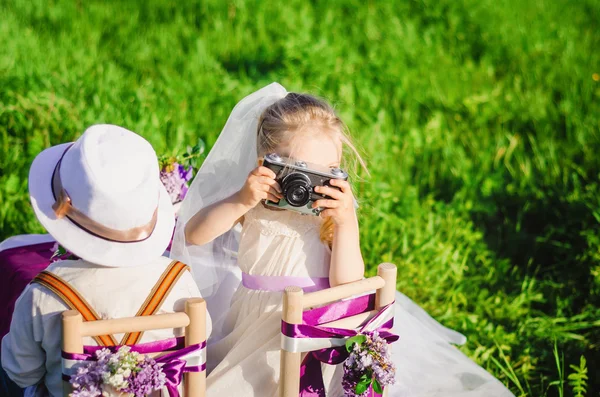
(292, 164)
(274, 157)
(337, 171)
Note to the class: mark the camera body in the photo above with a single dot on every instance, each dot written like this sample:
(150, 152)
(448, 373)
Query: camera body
(298, 179)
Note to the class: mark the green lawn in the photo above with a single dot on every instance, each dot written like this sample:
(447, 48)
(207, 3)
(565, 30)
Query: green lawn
(480, 121)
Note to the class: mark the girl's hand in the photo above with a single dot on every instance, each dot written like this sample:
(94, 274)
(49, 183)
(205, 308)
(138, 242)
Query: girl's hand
(260, 185)
(340, 205)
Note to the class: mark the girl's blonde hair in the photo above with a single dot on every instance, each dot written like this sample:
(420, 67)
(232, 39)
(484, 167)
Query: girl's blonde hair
(296, 114)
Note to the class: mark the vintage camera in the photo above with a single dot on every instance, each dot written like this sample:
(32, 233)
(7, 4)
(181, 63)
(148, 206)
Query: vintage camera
(298, 180)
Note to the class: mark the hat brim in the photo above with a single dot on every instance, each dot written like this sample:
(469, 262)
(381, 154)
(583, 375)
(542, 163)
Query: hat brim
(83, 244)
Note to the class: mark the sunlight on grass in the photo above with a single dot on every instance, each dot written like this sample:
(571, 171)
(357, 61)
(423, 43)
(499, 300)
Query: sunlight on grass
(480, 122)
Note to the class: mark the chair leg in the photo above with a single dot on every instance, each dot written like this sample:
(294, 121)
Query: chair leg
(289, 382)
(72, 341)
(195, 382)
(386, 295)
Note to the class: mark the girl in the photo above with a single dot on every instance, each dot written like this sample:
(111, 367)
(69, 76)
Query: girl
(278, 248)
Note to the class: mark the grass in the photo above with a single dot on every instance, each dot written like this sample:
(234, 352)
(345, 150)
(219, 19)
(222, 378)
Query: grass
(480, 122)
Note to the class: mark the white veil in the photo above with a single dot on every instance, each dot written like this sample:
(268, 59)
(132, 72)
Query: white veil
(222, 174)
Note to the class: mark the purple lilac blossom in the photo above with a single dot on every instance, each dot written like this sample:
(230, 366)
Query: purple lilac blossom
(135, 374)
(87, 382)
(175, 178)
(149, 378)
(371, 358)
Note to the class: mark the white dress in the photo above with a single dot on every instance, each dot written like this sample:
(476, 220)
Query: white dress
(285, 243)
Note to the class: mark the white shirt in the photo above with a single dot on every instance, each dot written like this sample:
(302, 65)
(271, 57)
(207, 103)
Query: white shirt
(31, 351)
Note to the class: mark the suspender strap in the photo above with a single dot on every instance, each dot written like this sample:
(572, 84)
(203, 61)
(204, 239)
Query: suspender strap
(157, 296)
(74, 300)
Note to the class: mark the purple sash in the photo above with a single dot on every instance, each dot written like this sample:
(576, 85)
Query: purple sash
(278, 283)
(311, 377)
(173, 362)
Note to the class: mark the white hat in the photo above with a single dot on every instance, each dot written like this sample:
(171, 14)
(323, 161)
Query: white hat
(102, 199)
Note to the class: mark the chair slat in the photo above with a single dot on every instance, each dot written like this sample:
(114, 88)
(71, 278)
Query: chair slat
(343, 291)
(135, 324)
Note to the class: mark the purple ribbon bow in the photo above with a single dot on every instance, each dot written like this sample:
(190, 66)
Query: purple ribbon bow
(311, 377)
(173, 366)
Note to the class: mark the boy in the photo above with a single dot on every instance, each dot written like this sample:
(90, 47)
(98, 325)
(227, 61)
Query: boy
(101, 198)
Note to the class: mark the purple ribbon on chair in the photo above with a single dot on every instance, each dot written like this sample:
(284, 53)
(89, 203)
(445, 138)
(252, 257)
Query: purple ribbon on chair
(311, 377)
(174, 367)
(173, 364)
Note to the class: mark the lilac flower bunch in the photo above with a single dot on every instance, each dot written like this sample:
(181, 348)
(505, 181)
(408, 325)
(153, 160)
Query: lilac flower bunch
(176, 172)
(123, 373)
(175, 177)
(147, 379)
(369, 365)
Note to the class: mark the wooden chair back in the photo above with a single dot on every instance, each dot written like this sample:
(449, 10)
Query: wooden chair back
(74, 329)
(295, 302)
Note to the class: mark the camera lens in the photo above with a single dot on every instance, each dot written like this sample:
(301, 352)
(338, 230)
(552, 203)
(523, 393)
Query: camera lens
(296, 189)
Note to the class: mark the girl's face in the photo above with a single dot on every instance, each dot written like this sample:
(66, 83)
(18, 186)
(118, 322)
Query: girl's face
(317, 148)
